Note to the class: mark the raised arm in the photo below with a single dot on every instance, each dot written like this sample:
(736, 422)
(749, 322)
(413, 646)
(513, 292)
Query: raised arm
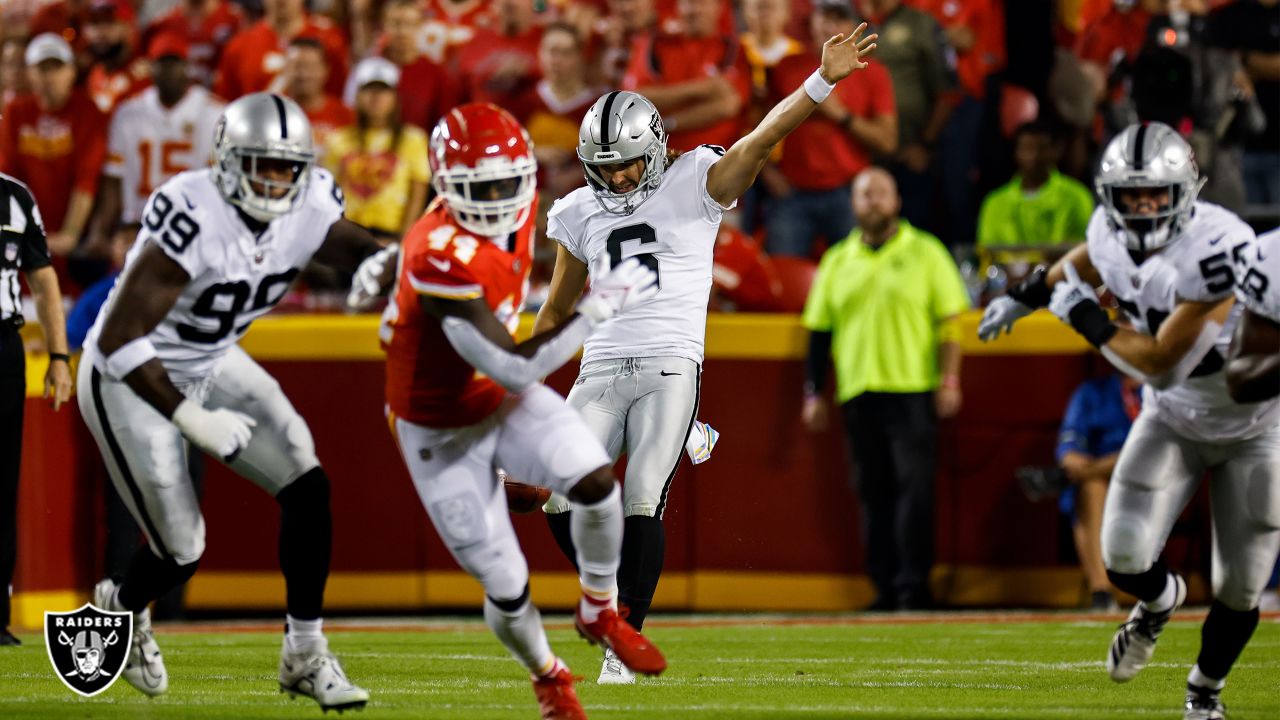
(737, 170)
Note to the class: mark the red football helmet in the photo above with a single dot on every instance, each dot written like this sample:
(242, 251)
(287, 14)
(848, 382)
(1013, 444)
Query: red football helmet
(482, 164)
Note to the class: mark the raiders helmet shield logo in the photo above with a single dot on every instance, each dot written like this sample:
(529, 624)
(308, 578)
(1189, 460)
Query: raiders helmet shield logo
(88, 647)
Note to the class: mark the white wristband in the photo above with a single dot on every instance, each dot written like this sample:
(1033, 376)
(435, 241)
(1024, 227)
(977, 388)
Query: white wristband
(128, 357)
(817, 88)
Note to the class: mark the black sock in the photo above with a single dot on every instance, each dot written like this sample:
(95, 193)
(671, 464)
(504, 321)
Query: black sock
(149, 577)
(559, 524)
(1222, 638)
(306, 540)
(1145, 586)
(644, 545)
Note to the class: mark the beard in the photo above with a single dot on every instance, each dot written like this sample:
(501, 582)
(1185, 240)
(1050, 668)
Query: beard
(108, 53)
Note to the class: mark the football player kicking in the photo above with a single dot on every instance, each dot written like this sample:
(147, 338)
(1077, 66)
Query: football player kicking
(218, 248)
(465, 399)
(1168, 259)
(638, 386)
(1253, 361)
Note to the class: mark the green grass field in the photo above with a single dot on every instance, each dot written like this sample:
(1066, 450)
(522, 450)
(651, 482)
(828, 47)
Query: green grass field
(721, 667)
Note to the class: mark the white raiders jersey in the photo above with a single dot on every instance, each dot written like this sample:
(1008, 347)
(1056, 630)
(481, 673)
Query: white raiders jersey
(149, 143)
(236, 277)
(673, 232)
(1197, 266)
(1258, 276)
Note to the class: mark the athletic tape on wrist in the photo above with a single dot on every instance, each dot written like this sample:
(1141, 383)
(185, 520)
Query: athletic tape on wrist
(129, 357)
(817, 88)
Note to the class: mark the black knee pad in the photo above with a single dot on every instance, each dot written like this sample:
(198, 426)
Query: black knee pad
(1145, 586)
(511, 606)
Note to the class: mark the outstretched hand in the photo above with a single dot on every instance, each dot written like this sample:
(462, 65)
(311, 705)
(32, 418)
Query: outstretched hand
(842, 54)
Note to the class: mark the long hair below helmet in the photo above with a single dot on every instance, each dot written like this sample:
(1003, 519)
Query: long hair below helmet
(1148, 155)
(621, 127)
(482, 164)
(253, 131)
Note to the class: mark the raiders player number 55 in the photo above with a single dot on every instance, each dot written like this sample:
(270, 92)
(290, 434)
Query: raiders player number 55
(1168, 258)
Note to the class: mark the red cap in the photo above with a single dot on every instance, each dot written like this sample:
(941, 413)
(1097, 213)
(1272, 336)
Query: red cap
(169, 44)
(111, 10)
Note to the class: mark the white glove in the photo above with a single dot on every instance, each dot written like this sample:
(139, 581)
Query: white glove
(1069, 293)
(1000, 316)
(222, 433)
(365, 284)
(616, 291)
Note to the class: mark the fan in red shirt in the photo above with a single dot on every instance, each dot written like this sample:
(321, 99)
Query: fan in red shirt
(206, 25)
(466, 399)
(699, 79)
(427, 89)
(742, 276)
(118, 72)
(822, 156)
(54, 140)
(502, 63)
(450, 24)
(1115, 36)
(975, 29)
(305, 74)
(254, 57)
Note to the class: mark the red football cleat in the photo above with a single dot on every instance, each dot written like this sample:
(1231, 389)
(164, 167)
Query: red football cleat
(556, 697)
(612, 631)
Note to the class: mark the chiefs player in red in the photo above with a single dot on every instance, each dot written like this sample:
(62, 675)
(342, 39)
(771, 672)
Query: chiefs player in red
(466, 399)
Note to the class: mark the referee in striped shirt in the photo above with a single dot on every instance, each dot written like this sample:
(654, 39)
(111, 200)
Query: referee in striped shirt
(22, 248)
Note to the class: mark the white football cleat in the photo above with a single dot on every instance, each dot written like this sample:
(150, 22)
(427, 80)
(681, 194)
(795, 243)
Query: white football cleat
(1135, 641)
(613, 672)
(144, 668)
(317, 674)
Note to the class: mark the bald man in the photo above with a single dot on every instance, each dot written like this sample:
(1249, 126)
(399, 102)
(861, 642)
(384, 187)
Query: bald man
(883, 305)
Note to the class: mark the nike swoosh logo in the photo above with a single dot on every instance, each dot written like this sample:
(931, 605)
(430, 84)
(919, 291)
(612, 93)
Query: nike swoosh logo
(441, 265)
(1217, 240)
(190, 205)
(664, 373)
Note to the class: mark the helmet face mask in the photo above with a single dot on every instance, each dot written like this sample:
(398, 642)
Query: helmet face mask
(482, 164)
(258, 136)
(620, 128)
(1148, 182)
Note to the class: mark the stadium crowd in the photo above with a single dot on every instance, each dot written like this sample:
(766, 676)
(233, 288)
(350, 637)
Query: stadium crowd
(989, 114)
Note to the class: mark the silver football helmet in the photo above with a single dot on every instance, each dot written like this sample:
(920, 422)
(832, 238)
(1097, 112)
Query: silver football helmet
(1149, 155)
(254, 128)
(620, 127)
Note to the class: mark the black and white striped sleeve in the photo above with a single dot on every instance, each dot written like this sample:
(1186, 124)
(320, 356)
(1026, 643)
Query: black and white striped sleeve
(26, 223)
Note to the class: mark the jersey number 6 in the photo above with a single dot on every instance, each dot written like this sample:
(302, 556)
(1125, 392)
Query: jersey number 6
(641, 232)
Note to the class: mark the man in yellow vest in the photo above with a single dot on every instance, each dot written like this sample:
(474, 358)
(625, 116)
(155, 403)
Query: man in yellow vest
(884, 305)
